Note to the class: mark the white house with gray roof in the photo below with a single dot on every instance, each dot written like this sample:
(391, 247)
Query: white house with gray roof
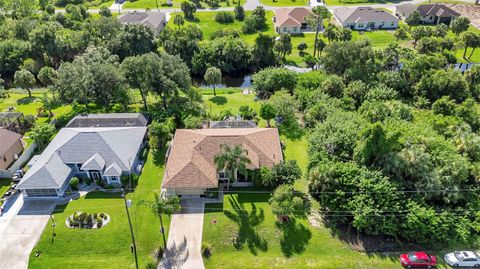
(365, 18)
(155, 20)
(99, 153)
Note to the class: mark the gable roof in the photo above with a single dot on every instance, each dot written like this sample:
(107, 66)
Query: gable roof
(190, 163)
(108, 120)
(363, 14)
(51, 175)
(436, 9)
(96, 162)
(289, 17)
(113, 170)
(118, 145)
(152, 19)
(8, 139)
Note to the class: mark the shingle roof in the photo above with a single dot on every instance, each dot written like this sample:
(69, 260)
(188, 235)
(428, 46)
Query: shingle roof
(113, 170)
(108, 120)
(51, 175)
(152, 19)
(7, 139)
(363, 14)
(191, 163)
(291, 16)
(96, 162)
(439, 10)
(118, 145)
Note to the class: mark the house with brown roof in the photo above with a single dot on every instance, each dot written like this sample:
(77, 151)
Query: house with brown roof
(365, 18)
(191, 169)
(291, 20)
(430, 14)
(11, 148)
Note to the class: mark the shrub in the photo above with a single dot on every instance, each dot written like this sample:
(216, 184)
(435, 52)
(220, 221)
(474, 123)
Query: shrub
(74, 183)
(206, 250)
(302, 46)
(109, 187)
(225, 32)
(239, 13)
(99, 222)
(224, 17)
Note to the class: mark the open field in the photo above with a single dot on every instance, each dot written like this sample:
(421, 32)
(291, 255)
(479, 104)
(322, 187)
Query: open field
(108, 247)
(159, 4)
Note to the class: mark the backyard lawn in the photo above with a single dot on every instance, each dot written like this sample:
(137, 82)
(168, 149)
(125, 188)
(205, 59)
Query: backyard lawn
(284, 3)
(206, 22)
(108, 247)
(4, 185)
(154, 4)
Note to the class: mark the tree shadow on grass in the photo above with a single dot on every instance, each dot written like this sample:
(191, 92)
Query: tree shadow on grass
(26, 100)
(219, 100)
(247, 221)
(295, 237)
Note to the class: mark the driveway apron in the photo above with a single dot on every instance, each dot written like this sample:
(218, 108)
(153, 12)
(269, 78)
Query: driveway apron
(185, 237)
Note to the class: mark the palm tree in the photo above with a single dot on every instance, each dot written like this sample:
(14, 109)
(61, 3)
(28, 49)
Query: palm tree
(165, 206)
(232, 159)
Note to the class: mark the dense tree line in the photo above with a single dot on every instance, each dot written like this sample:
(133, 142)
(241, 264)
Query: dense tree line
(393, 149)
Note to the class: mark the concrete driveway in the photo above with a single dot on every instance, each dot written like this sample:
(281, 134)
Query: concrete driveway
(20, 228)
(185, 238)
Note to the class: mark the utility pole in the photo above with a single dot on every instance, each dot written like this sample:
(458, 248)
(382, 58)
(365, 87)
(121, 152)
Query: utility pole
(134, 246)
(53, 227)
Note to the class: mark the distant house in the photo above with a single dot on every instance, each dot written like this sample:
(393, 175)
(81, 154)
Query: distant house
(191, 169)
(153, 19)
(430, 14)
(291, 20)
(99, 153)
(11, 120)
(11, 148)
(365, 18)
(108, 120)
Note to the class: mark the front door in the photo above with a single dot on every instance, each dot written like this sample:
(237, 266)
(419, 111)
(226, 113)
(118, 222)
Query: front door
(95, 175)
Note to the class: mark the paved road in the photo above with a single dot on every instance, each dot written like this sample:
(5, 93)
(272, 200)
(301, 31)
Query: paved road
(185, 238)
(20, 228)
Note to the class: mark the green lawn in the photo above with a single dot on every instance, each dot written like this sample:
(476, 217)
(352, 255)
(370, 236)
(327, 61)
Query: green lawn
(108, 247)
(154, 4)
(225, 100)
(284, 3)
(263, 244)
(4, 185)
(206, 22)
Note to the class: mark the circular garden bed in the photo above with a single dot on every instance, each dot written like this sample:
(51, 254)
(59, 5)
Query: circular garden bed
(87, 221)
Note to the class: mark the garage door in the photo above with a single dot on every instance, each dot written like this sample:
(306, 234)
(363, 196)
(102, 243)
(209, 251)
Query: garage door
(184, 192)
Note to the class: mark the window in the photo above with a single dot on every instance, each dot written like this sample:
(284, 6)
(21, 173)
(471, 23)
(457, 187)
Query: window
(360, 25)
(285, 29)
(223, 175)
(392, 24)
(294, 29)
(114, 179)
(41, 192)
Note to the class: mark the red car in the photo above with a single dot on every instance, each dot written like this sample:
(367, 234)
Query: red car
(418, 260)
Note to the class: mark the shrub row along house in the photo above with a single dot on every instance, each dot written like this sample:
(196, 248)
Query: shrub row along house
(101, 147)
(191, 169)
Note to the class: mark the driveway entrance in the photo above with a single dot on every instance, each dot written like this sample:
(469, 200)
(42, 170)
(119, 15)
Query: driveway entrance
(185, 237)
(21, 226)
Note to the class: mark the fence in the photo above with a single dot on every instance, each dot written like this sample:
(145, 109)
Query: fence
(19, 163)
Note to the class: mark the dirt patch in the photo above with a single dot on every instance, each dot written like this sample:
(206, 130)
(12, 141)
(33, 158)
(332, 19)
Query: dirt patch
(472, 12)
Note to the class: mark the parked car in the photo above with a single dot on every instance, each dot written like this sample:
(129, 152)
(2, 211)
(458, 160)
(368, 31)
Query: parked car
(463, 259)
(418, 260)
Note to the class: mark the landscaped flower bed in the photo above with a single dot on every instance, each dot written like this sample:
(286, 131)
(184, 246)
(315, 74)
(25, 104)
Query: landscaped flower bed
(87, 221)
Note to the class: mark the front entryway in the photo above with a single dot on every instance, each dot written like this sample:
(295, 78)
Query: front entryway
(95, 175)
(185, 237)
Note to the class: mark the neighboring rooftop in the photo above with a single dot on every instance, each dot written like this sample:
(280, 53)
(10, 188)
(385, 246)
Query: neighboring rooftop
(190, 163)
(439, 10)
(6, 118)
(232, 124)
(291, 16)
(108, 120)
(7, 140)
(152, 19)
(97, 148)
(363, 14)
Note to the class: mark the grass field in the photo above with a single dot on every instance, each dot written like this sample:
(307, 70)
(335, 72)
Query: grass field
(4, 185)
(154, 4)
(262, 243)
(108, 247)
(284, 3)
(206, 22)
